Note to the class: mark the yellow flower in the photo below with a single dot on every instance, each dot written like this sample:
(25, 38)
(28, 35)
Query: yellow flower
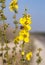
(13, 5)
(28, 56)
(16, 40)
(24, 35)
(22, 20)
(22, 53)
(20, 37)
(27, 27)
(25, 20)
(26, 39)
(30, 53)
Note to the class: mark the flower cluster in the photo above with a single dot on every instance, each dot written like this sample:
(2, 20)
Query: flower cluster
(13, 5)
(25, 27)
(25, 21)
(28, 56)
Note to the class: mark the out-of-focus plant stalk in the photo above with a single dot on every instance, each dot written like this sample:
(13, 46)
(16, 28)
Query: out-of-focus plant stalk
(4, 39)
(15, 31)
(39, 58)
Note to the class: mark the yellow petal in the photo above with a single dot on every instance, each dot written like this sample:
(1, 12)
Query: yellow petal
(26, 40)
(22, 32)
(22, 53)
(10, 8)
(21, 37)
(16, 40)
(27, 27)
(30, 53)
(28, 59)
(22, 20)
(13, 5)
(16, 6)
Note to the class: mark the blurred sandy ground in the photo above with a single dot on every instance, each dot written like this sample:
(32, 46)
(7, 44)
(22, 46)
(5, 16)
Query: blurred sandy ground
(38, 42)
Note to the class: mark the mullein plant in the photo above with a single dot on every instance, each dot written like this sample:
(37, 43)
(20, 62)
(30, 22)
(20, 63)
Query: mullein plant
(25, 27)
(3, 38)
(14, 8)
(2, 18)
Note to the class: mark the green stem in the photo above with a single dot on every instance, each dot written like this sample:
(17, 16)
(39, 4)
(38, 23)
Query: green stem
(23, 46)
(15, 51)
(23, 50)
(2, 46)
(7, 53)
(2, 52)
